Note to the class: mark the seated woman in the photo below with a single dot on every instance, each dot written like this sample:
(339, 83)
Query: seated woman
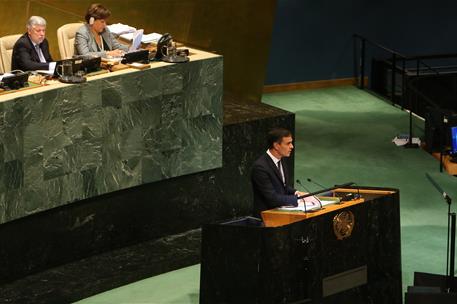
(94, 38)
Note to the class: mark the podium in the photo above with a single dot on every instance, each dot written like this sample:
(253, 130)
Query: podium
(346, 253)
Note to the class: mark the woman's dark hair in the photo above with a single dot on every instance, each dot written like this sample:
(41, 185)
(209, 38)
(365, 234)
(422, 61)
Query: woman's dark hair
(276, 135)
(97, 11)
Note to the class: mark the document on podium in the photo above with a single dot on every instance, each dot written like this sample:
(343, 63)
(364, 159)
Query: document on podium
(312, 203)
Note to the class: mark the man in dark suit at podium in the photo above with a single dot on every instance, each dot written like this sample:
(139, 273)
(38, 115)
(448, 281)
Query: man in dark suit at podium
(269, 175)
(31, 51)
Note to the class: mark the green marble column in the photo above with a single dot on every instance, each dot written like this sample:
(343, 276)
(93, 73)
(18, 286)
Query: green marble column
(80, 141)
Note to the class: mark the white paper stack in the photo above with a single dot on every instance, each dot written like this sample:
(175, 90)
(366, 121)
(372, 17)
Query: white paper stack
(148, 38)
(119, 29)
(312, 203)
(151, 38)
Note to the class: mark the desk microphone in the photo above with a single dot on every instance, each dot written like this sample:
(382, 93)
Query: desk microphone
(304, 202)
(304, 188)
(329, 193)
(316, 183)
(345, 185)
(344, 198)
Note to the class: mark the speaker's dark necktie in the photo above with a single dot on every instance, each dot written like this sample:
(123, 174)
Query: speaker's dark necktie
(281, 172)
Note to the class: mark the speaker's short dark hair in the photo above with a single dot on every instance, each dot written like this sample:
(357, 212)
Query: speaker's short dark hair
(97, 11)
(276, 135)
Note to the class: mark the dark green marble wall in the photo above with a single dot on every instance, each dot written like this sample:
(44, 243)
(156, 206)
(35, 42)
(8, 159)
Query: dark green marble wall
(80, 141)
(81, 249)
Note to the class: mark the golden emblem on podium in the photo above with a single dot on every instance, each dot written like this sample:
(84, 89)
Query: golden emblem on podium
(343, 223)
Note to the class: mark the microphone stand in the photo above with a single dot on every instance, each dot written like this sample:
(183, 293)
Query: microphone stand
(321, 186)
(316, 183)
(304, 202)
(451, 225)
(326, 190)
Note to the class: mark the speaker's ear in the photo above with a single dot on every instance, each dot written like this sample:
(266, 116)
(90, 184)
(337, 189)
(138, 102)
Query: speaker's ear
(91, 20)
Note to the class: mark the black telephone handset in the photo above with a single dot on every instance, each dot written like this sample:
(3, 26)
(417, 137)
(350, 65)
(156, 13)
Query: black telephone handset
(163, 42)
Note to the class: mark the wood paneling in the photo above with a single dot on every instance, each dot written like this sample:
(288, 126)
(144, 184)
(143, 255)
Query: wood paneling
(240, 30)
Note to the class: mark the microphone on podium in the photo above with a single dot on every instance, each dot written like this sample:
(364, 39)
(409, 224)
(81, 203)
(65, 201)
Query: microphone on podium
(316, 183)
(346, 197)
(345, 185)
(304, 202)
(330, 193)
(304, 188)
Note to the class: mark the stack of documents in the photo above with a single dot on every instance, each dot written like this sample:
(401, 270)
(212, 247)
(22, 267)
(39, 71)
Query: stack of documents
(312, 203)
(149, 38)
(119, 29)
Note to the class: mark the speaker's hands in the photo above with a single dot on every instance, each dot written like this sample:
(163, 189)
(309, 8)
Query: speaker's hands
(115, 53)
(299, 193)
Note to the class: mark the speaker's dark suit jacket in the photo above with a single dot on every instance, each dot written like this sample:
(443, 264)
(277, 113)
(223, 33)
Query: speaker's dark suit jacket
(269, 190)
(26, 58)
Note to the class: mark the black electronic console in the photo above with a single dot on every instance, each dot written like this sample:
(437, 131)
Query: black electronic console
(348, 197)
(90, 65)
(86, 64)
(15, 81)
(141, 56)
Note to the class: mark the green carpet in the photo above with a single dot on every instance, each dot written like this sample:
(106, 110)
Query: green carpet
(177, 287)
(342, 134)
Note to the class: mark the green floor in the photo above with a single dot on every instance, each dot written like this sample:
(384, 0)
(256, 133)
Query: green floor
(342, 134)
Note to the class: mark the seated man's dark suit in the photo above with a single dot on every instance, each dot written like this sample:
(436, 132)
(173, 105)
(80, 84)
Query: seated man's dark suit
(269, 190)
(26, 58)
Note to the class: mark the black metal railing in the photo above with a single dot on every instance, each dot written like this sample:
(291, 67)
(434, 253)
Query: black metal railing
(411, 87)
(398, 63)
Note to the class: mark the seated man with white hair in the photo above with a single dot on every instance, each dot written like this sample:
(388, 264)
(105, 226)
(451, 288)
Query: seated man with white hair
(31, 51)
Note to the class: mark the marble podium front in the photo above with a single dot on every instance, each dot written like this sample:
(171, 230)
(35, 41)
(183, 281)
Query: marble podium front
(64, 143)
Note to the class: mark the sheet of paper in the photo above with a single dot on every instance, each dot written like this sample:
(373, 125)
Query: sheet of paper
(147, 38)
(52, 67)
(312, 203)
(151, 38)
(119, 28)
